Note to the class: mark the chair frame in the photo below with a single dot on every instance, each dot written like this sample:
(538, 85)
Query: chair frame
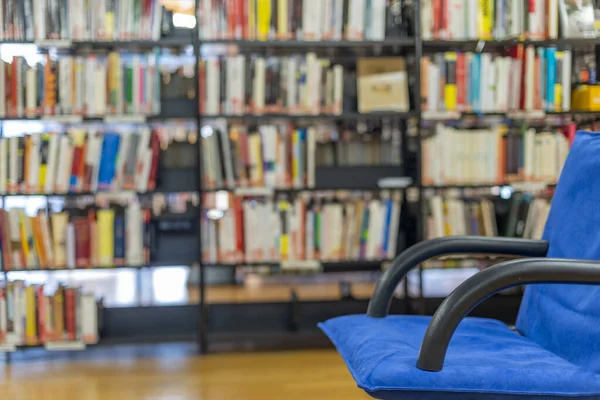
(480, 286)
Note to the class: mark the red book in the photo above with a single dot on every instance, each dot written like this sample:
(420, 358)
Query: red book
(445, 17)
(155, 146)
(245, 30)
(41, 314)
(437, 14)
(70, 314)
(461, 79)
(570, 132)
(239, 228)
(5, 240)
(82, 241)
(78, 159)
(232, 18)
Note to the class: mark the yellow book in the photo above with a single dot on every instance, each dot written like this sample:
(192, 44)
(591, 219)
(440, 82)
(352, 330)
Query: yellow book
(485, 16)
(450, 93)
(24, 238)
(282, 19)
(113, 79)
(295, 160)
(44, 159)
(447, 227)
(105, 228)
(251, 23)
(30, 316)
(109, 24)
(263, 11)
(255, 143)
(558, 89)
(284, 237)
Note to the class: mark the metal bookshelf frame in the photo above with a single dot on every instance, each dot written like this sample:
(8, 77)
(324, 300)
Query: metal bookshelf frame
(135, 321)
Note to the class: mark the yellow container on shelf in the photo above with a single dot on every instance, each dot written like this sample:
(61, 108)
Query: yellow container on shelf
(586, 98)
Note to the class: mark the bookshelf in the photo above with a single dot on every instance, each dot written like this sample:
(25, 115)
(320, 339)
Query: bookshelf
(415, 125)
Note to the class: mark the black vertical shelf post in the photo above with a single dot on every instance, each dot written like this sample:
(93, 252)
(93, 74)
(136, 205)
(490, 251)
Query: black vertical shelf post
(420, 218)
(202, 332)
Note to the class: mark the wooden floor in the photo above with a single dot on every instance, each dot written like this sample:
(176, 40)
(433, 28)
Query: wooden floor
(175, 374)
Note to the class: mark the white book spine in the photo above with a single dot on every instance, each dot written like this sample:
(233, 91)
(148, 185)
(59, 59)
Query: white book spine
(311, 149)
(552, 19)
(31, 96)
(212, 84)
(292, 83)
(566, 80)
(356, 20)
(13, 164)
(258, 87)
(70, 246)
(426, 20)
(34, 163)
(134, 246)
(2, 90)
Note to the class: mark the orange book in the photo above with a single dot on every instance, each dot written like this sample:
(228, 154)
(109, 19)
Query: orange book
(38, 242)
(58, 324)
(501, 177)
(49, 87)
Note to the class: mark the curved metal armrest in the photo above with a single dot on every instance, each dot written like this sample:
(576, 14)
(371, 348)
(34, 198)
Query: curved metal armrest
(414, 255)
(487, 283)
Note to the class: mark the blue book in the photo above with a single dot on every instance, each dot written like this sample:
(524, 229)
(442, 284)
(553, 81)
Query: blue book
(386, 226)
(476, 74)
(119, 236)
(550, 76)
(108, 159)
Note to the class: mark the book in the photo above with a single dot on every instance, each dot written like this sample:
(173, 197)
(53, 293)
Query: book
(77, 85)
(303, 19)
(493, 156)
(80, 20)
(87, 160)
(236, 85)
(304, 228)
(31, 316)
(98, 236)
(525, 80)
(505, 19)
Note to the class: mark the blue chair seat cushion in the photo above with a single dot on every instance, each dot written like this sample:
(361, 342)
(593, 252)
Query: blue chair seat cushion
(485, 360)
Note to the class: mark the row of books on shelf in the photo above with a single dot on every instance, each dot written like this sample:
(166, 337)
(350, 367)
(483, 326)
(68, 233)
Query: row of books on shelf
(80, 20)
(299, 84)
(274, 156)
(282, 155)
(503, 19)
(86, 159)
(75, 238)
(335, 229)
(309, 20)
(526, 79)
(521, 216)
(494, 156)
(81, 85)
(30, 316)
(371, 145)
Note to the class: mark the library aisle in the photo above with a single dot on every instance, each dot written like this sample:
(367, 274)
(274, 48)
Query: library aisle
(170, 372)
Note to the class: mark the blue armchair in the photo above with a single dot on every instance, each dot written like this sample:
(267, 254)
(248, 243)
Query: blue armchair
(554, 351)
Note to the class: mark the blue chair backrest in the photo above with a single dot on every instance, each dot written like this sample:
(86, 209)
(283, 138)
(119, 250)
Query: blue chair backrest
(565, 319)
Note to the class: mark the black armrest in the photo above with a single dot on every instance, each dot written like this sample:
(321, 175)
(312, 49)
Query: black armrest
(485, 284)
(414, 255)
